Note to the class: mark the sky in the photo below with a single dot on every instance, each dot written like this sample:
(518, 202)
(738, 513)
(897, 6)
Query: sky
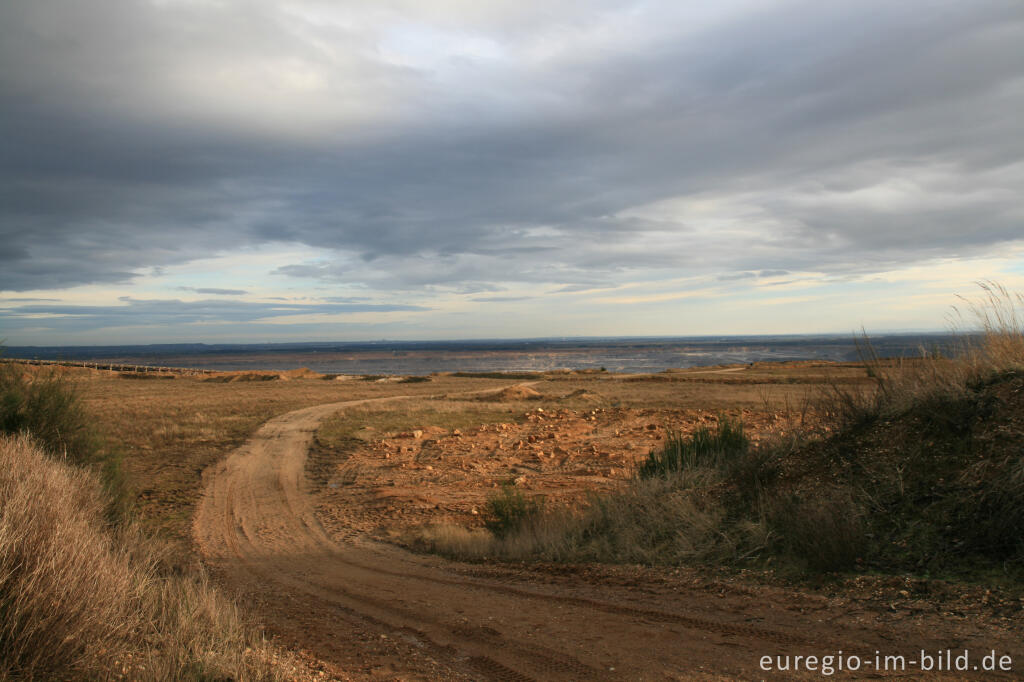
(306, 170)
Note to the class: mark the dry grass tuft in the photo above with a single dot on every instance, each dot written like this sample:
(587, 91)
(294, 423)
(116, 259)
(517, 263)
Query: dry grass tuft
(991, 342)
(66, 591)
(80, 600)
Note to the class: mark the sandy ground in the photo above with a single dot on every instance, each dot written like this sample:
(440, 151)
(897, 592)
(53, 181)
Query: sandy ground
(370, 610)
(434, 475)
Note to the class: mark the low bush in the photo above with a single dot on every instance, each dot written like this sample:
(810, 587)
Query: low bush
(823, 531)
(510, 510)
(45, 404)
(703, 448)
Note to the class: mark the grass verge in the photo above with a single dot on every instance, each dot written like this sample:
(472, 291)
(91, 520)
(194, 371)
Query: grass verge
(84, 593)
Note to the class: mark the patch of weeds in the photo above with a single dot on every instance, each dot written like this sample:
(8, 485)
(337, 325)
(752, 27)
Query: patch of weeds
(825, 531)
(704, 448)
(510, 510)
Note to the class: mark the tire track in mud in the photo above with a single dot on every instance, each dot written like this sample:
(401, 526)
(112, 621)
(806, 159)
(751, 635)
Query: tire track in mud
(257, 528)
(608, 607)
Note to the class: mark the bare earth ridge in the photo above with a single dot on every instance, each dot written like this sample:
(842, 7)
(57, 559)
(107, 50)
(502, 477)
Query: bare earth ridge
(374, 611)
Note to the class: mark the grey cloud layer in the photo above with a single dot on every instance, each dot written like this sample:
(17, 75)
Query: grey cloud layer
(215, 291)
(150, 312)
(857, 136)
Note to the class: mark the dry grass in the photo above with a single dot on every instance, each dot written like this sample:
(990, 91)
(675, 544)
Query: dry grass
(80, 601)
(66, 589)
(991, 341)
(655, 521)
(377, 421)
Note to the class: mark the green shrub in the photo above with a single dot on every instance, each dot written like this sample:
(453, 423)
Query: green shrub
(509, 510)
(704, 448)
(45, 404)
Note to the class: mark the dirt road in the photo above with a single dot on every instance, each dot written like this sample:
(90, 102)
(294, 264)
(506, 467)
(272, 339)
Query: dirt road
(373, 611)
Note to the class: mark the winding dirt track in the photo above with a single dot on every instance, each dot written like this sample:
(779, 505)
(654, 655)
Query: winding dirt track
(375, 611)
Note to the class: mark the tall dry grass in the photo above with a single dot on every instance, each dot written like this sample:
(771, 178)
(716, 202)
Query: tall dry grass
(990, 331)
(66, 590)
(79, 600)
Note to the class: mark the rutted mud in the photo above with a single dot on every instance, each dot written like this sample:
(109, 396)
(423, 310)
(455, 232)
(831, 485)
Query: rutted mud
(373, 611)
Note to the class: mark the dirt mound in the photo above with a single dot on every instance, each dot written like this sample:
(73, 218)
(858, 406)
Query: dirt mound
(254, 376)
(232, 377)
(512, 394)
(944, 477)
(582, 394)
(300, 373)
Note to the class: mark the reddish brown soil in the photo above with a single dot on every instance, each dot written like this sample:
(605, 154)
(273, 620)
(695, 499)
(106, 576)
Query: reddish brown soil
(433, 475)
(374, 611)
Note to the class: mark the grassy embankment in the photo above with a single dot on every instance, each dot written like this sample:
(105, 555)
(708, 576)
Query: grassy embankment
(920, 472)
(84, 593)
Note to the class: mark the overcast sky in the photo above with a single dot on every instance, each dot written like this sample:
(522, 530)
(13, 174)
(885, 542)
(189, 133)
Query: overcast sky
(192, 170)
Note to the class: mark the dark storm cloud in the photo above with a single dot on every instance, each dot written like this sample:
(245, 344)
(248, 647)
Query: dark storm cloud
(8, 301)
(138, 313)
(858, 136)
